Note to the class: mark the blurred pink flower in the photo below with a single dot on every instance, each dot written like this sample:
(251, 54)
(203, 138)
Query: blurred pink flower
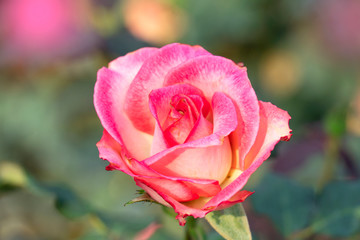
(340, 25)
(146, 233)
(43, 28)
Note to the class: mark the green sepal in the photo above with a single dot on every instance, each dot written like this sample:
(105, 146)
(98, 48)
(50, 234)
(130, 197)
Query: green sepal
(143, 198)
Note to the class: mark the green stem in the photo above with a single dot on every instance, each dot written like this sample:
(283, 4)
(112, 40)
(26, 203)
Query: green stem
(332, 149)
(192, 230)
(97, 223)
(306, 233)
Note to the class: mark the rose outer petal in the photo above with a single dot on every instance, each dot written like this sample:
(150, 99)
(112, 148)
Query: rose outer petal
(237, 198)
(109, 96)
(217, 74)
(183, 210)
(274, 127)
(186, 189)
(151, 76)
(224, 123)
(205, 158)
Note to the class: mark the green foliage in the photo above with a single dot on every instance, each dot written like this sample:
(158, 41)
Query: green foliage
(93, 236)
(66, 201)
(338, 212)
(285, 202)
(231, 223)
(7, 187)
(335, 211)
(335, 122)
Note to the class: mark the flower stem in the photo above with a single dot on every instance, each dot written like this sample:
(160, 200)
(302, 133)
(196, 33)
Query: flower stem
(192, 230)
(332, 149)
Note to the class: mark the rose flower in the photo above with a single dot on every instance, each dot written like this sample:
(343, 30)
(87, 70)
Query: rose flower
(186, 125)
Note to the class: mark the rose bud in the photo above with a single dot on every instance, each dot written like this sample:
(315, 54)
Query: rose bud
(186, 125)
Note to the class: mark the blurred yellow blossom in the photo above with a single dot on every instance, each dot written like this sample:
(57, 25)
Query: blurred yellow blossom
(280, 73)
(155, 21)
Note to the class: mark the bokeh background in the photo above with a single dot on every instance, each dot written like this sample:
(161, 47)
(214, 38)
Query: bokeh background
(302, 55)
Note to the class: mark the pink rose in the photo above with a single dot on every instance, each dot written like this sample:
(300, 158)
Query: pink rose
(186, 125)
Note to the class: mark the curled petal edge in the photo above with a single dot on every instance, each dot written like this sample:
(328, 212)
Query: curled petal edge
(276, 126)
(277, 129)
(113, 152)
(184, 211)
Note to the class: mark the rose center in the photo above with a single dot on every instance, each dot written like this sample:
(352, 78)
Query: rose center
(181, 119)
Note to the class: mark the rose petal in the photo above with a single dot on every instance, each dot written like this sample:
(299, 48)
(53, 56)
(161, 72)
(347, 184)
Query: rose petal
(151, 76)
(274, 127)
(237, 198)
(216, 74)
(111, 150)
(177, 190)
(202, 158)
(109, 95)
(223, 126)
(182, 210)
(211, 162)
(159, 99)
(130, 64)
(202, 128)
(159, 103)
(181, 120)
(187, 189)
(153, 194)
(193, 208)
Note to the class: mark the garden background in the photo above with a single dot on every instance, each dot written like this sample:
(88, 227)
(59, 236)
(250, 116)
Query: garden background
(302, 55)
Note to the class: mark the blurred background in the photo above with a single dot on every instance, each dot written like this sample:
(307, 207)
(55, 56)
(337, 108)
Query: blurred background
(302, 55)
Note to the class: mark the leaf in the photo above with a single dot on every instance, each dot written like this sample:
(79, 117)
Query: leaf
(230, 223)
(7, 187)
(66, 201)
(285, 202)
(339, 209)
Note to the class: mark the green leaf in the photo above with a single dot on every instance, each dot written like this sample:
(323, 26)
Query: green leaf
(7, 187)
(230, 223)
(285, 202)
(339, 209)
(67, 202)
